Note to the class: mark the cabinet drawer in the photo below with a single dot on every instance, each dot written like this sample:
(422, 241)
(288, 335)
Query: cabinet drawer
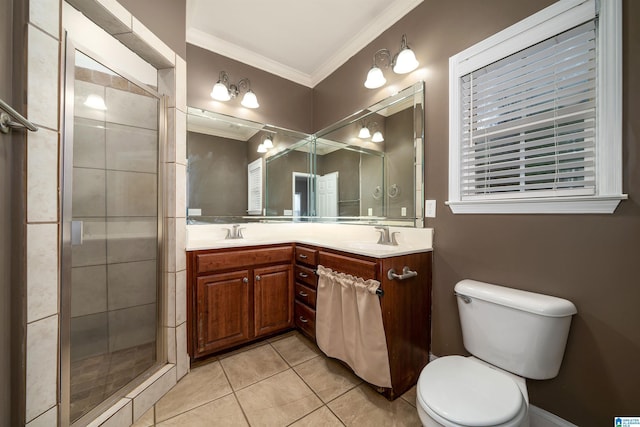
(206, 262)
(344, 264)
(305, 295)
(306, 276)
(306, 256)
(305, 319)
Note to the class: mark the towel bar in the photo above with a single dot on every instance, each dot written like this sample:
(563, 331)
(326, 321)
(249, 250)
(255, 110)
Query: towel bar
(406, 274)
(6, 123)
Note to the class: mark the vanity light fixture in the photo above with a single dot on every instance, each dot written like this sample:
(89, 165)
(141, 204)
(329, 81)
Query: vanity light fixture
(403, 62)
(364, 132)
(262, 148)
(224, 90)
(268, 142)
(377, 137)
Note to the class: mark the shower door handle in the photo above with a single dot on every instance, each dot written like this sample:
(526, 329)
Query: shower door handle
(77, 232)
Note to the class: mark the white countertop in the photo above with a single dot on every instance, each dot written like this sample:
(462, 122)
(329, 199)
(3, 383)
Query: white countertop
(357, 239)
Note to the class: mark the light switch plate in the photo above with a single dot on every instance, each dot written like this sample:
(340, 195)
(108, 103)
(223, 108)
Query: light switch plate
(430, 208)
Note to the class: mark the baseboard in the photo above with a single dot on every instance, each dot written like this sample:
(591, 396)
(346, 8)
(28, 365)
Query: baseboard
(540, 418)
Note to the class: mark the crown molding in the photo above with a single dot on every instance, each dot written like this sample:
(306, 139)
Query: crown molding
(368, 34)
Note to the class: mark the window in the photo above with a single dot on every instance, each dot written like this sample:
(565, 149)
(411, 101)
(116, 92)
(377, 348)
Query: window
(535, 115)
(254, 194)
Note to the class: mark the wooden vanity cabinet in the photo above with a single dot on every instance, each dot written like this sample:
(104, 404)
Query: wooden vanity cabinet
(406, 309)
(306, 283)
(237, 295)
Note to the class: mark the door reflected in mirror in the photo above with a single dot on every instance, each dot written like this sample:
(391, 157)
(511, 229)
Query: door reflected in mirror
(338, 174)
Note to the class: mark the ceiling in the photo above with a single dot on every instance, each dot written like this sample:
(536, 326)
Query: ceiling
(300, 40)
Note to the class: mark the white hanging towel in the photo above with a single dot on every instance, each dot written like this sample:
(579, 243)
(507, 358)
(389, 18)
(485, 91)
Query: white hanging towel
(349, 324)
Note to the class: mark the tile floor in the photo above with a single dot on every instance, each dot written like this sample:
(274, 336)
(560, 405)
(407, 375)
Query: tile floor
(283, 381)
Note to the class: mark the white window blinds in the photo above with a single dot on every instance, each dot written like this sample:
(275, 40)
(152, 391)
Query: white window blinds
(254, 194)
(529, 121)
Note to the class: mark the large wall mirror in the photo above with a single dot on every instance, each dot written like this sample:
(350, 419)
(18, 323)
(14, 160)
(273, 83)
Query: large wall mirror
(367, 168)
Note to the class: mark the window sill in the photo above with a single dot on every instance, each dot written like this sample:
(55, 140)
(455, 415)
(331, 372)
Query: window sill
(565, 205)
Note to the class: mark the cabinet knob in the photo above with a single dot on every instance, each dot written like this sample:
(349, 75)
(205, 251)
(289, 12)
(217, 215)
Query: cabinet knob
(245, 280)
(303, 256)
(303, 275)
(258, 278)
(303, 320)
(303, 294)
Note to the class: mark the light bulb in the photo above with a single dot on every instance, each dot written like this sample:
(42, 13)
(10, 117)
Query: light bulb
(220, 92)
(268, 143)
(375, 78)
(250, 100)
(364, 133)
(405, 62)
(262, 148)
(96, 102)
(377, 137)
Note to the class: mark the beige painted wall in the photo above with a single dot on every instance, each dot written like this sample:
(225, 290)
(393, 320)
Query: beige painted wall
(591, 260)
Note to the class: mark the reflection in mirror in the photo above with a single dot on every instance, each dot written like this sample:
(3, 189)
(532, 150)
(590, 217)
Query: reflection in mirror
(339, 174)
(391, 182)
(220, 150)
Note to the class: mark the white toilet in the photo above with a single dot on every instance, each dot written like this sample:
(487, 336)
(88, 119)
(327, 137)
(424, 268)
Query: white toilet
(513, 335)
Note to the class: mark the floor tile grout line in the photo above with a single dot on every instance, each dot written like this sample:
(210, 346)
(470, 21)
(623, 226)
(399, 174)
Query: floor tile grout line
(244, 414)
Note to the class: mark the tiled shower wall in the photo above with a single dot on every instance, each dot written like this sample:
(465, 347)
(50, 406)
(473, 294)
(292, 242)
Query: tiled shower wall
(115, 195)
(43, 208)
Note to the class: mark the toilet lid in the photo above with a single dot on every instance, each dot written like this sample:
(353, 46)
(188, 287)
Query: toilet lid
(469, 393)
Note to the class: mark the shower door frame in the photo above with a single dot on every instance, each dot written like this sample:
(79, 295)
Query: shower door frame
(67, 101)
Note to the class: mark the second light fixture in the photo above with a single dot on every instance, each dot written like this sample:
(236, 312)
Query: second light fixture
(403, 62)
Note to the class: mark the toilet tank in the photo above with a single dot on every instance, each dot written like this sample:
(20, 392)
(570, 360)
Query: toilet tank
(521, 332)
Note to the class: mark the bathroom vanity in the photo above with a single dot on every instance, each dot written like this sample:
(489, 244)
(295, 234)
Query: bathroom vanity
(240, 292)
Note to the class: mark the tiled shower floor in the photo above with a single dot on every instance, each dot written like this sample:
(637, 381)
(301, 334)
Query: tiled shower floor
(96, 378)
(284, 381)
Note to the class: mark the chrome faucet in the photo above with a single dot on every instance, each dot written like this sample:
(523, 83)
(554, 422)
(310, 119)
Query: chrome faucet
(387, 238)
(235, 232)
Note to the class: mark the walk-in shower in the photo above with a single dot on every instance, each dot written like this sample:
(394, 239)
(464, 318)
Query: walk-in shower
(111, 235)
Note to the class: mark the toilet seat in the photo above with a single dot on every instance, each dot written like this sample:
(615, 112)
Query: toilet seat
(458, 391)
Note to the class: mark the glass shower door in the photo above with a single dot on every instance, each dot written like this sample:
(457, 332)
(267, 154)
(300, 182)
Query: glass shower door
(111, 176)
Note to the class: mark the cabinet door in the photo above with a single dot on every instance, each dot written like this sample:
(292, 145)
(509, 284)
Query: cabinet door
(222, 310)
(273, 298)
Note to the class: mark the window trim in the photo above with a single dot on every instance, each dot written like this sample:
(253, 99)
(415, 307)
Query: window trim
(550, 21)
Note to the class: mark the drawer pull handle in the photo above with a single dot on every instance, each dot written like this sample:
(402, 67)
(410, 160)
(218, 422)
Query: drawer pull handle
(303, 294)
(303, 275)
(303, 320)
(303, 256)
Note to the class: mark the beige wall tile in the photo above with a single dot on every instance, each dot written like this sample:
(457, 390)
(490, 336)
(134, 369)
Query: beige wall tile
(170, 237)
(82, 90)
(131, 284)
(132, 239)
(42, 176)
(130, 148)
(42, 271)
(131, 194)
(181, 297)
(120, 414)
(128, 108)
(42, 368)
(181, 84)
(181, 232)
(88, 143)
(170, 336)
(167, 85)
(181, 138)
(42, 79)
(48, 419)
(88, 198)
(132, 326)
(93, 250)
(170, 319)
(152, 390)
(46, 15)
(90, 335)
(182, 364)
(88, 290)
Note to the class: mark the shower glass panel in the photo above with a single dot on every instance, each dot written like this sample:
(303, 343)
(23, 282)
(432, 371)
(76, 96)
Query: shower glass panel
(114, 237)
